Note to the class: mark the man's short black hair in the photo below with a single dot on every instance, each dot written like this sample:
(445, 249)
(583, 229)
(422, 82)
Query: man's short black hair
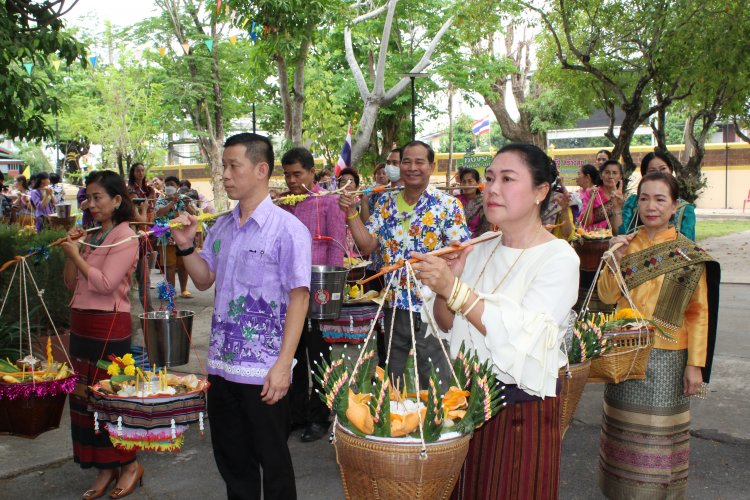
(430, 151)
(299, 155)
(172, 178)
(400, 152)
(258, 148)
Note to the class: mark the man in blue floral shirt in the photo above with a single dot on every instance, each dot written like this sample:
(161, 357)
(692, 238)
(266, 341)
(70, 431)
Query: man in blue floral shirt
(418, 218)
(168, 207)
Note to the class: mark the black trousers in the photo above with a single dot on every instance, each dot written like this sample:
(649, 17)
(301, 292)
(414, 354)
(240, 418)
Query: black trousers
(247, 435)
(307, 407)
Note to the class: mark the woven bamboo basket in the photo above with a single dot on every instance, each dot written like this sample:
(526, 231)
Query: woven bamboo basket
(626, 359)
(29, 417)
(373, 469)
(571, 391)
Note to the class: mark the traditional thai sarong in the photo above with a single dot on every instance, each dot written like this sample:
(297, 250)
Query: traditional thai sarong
(645, 442)
(93, 336)
(516, 455)
(645, 437)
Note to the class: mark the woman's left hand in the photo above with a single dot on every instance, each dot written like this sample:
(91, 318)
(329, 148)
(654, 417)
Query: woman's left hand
(618, 197)
(439, 272)
(692, 380)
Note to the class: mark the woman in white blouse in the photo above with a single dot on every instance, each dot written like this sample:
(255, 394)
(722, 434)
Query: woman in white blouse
(509, 299)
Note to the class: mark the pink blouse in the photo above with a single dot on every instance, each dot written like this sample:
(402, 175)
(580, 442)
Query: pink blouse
(598, 202)
(108, 283)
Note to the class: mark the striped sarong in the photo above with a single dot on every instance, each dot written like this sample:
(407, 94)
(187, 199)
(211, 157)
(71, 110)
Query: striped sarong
(93, 336)
(516, 455)
(645, 438)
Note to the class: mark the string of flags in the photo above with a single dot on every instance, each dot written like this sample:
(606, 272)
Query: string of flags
(256, 31)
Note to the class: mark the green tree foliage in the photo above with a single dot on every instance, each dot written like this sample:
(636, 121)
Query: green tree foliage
(37, 37)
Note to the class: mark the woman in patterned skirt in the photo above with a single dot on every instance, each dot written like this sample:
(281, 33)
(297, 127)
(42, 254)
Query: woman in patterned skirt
(645, 438)
(511, 306)
(99, 276)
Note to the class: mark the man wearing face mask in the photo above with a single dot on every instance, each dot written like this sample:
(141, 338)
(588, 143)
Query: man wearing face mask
(169, 206)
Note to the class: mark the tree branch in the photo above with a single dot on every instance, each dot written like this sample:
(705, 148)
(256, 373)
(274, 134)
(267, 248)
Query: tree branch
(351, 59)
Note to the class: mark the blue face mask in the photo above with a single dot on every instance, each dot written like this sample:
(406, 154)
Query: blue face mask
(393, 172)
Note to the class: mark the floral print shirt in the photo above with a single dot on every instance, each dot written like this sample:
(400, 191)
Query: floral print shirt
(436, 221)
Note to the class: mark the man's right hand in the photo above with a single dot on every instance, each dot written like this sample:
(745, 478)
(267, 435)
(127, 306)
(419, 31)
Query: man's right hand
(347, 203)
(185, 235)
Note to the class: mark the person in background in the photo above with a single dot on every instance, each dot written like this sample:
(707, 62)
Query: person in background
(684, 218)
(57, 188)
(471, 199)
(380, 176)
(588, 177)
(418, 218)
(645, 436)
(258, 259)
(513, 306)
(141, 194)
(157, 184)
(42, 199)
(100, 325)
(168, 207)
(325, 223)
(323, 178)
(602, 206)
(22, 206)
(5, 202)
(602, 156)
(352, 177)
(559, 214)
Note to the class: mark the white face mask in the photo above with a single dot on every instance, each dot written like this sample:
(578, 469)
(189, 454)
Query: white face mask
(393, 172)
(170, 190)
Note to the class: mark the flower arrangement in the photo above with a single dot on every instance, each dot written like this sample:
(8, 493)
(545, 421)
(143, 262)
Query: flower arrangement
(588, 340)
(128, 380)
(379, 406)
(291, 199)
(626, 319)
(32, 377)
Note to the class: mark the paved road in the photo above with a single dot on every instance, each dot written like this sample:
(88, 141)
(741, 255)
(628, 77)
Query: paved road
(720, 446)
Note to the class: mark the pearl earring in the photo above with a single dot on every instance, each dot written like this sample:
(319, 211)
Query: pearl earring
(537, 202)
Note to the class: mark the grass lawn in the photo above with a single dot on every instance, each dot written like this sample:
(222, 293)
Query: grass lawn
(711, 228)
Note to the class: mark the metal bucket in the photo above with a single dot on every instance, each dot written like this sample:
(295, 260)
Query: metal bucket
(167, 336)
(326, 292)
(63, 210)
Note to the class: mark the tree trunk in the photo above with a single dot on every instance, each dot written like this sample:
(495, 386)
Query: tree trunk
(119, 164)
(361, 140)
(293, 100)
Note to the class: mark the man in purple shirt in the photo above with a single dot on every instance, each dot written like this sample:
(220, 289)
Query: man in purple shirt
(325, 221)
(259, 258)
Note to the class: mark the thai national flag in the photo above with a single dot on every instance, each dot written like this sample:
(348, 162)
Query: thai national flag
(345, 158)
(480, 127)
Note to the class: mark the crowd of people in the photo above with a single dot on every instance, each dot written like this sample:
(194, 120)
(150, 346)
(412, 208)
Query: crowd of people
(509, 300)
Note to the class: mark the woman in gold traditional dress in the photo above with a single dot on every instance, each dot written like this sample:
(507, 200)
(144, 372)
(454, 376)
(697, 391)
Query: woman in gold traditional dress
(645, 435)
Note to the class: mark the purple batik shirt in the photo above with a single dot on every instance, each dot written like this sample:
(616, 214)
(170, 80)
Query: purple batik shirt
(256, 266)
(324, 219)
(41, 211)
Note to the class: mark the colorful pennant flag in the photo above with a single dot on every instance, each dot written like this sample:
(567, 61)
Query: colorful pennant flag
(233, 40)
(244, 22)
(56, 64)
(92, 60)
(210, 45)
(27, 172)
(186, 47)
(162, 51)
(29, 67)
(218, 6)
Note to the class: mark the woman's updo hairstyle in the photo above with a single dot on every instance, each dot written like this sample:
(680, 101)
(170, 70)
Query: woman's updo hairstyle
(543, 169)
(593, 173)
(114, 185)
(669, 180)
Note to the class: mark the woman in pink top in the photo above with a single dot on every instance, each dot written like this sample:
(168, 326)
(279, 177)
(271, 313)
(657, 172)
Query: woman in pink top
(606, 208)
(99, 276)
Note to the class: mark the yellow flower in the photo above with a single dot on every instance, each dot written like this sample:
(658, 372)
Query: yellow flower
(625, 313)
(130, 370)
(113, 369)
(428, 219)
(359, 414)
(430, 240)
(128, 359)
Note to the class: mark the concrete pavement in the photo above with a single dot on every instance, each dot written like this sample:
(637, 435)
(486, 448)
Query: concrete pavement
(720, 445)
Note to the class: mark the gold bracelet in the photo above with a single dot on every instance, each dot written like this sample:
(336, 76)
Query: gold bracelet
(454, 291)
(472, 306)
(353, 216)
(461, 297)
